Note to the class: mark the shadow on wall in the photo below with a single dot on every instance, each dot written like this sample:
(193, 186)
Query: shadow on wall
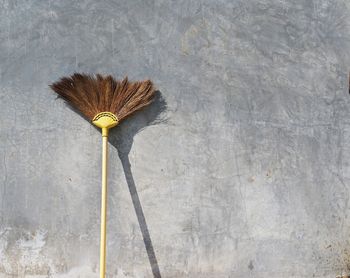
(122, 138)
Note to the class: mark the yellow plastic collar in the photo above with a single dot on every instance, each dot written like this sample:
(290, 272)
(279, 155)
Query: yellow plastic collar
(105, 120)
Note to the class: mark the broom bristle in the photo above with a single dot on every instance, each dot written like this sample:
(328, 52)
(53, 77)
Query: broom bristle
(92, 95)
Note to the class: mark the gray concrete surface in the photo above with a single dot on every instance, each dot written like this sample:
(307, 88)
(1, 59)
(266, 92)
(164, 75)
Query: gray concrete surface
(240, 169)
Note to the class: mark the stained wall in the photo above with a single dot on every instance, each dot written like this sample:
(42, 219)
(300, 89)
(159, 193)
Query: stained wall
(240, 168)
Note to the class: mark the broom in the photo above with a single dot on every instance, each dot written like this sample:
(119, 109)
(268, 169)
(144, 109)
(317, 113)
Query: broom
(104, 101)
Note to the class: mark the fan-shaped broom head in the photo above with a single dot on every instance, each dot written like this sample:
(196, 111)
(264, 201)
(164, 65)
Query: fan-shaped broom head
(102, 99)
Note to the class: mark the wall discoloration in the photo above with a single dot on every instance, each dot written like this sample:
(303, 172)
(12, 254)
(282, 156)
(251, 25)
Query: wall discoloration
(244, 174)
(21, 252)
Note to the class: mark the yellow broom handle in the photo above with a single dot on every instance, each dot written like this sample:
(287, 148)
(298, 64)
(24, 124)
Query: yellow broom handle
(103, 205)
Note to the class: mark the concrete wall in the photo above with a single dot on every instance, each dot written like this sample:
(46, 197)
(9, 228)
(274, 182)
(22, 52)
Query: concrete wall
(240, 169)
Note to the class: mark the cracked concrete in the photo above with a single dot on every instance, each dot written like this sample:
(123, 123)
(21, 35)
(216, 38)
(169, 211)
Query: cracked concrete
(240, 169)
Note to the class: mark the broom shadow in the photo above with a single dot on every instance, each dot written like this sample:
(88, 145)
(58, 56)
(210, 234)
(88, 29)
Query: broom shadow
(122, 139)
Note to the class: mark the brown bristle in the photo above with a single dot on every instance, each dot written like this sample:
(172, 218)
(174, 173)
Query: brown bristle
(92, 95)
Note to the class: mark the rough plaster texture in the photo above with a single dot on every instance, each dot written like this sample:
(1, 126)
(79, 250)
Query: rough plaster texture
(244, 174)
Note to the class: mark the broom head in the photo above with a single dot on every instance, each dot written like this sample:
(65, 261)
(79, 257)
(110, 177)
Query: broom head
(102, 99)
